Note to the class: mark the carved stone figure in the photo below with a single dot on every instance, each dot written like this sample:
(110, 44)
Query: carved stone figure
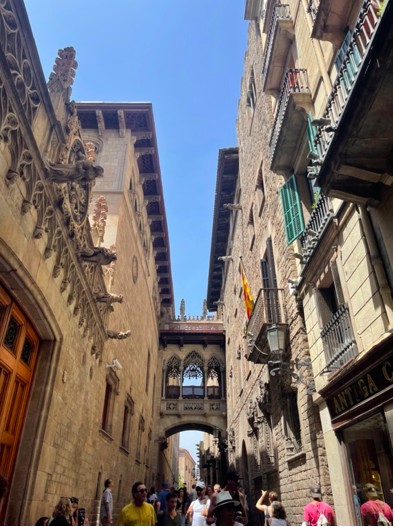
(118, 334)
(108, 298)
(82, 171)
(98, 255)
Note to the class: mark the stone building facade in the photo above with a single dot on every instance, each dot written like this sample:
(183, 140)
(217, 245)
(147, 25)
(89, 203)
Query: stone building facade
(186, 468)
(75, 292)
(306, 201)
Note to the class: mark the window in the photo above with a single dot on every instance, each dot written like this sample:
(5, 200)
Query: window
(329, 296)
(127, 416)
(148, 372)
(292, 213)
(292, 423)
(251, 228)
(251, 93)
(311, 133)
(140, 437)
(112, 389)
(269, 282)
(260, 191)
(153, 397)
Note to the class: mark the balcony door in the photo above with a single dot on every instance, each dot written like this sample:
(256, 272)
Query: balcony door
(18, 353)
(270, 289)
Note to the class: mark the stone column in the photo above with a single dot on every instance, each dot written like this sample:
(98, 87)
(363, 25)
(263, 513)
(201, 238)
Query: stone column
(163, 383)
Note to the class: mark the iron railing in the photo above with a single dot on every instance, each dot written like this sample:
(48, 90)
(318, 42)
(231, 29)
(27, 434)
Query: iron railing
(354, 57)
(338, 339)
(295, 82)
(280, 12)
(312, 8)
(268, 309)
(320, 217)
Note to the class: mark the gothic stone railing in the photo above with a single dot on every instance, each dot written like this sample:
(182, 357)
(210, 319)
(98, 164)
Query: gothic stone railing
(280, 12)
(295, 82)
(359, 45)
(338, 339)
(196, 407)
(193, 392)
(320, 217)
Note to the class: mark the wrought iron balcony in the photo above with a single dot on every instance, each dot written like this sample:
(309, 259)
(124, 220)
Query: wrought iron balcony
(280, 34)
(359, 134)
(319, 220)
(339, 341)
(289, 122)
(313, 8)
(268, 309)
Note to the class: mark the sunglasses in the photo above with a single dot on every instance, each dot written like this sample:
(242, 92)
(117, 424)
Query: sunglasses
(142, 491)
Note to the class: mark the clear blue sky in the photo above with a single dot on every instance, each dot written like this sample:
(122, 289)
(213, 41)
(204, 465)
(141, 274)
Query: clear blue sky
(185, 57)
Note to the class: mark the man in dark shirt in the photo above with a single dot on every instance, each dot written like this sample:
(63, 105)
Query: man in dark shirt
(161, 503)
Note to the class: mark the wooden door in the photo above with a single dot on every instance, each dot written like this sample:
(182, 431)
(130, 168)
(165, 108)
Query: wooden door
(18, 353)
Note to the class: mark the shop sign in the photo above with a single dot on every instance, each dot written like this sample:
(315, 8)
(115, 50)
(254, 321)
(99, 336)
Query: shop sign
(368, 385)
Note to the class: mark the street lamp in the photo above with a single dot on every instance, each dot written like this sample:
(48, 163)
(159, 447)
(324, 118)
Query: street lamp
(276, 339)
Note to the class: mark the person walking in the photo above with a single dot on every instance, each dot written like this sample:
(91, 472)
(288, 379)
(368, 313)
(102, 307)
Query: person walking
(62, 512)
(170, 516)
(138, 511)
(193, 494)
(317, 510)
(225, 508)
(279, 516)
(152, 497)
(196, 510)
(266, 509)
(182, 506)
(161, 504)
(374, 509)
(106, 503)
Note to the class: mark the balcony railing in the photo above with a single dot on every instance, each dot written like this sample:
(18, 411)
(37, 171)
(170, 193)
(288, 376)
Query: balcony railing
(280, 12)
(268, 309)
(339, 341)
(172, 392)
(312, 8)
(193, 392)
(359, 45)
(320, 218)
(295, 82)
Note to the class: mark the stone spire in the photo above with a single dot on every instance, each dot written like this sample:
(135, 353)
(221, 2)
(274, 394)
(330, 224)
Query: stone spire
(182, 309)
(204, 309)
(62, 77)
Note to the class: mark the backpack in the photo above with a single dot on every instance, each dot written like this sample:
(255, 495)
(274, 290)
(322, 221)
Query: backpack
(381, 520)
(322, 520)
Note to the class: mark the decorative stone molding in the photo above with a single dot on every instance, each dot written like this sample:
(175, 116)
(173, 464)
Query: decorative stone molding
(63, 70)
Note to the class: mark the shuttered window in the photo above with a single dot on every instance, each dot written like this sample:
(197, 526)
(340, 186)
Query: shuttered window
(292, 213)
(311, 131)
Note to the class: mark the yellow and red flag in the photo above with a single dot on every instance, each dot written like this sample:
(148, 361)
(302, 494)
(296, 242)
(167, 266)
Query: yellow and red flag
(248, 301)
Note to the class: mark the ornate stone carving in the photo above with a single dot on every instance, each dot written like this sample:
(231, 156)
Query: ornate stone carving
(81, 171)
(99, 218)
(91, 151)
(97, 255)
(108, 298)
(63, 69)
(118, 334)
(182, 309)
(264, 399)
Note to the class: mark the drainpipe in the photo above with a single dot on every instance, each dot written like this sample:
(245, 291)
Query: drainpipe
(377, 263)
(318, 54)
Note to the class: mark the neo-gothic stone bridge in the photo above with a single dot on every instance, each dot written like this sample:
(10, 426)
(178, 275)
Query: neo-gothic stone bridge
(193, 376)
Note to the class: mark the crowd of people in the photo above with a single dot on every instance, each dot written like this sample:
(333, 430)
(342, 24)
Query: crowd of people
(206, 506)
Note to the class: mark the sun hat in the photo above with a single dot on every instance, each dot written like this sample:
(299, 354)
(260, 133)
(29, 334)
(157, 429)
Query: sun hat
(201, 485)
(224, 498)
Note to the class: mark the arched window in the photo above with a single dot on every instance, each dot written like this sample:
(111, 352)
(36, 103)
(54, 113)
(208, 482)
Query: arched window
(173, 378)
(193, 371)
(214, 379)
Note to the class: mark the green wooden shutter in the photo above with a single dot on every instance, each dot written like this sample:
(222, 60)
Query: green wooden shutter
(292, 213)
(311, 132)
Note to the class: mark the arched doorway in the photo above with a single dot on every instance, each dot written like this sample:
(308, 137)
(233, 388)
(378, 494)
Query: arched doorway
(18, 354)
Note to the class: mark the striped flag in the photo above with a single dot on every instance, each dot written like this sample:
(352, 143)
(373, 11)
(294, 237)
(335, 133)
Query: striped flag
(249, 303)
